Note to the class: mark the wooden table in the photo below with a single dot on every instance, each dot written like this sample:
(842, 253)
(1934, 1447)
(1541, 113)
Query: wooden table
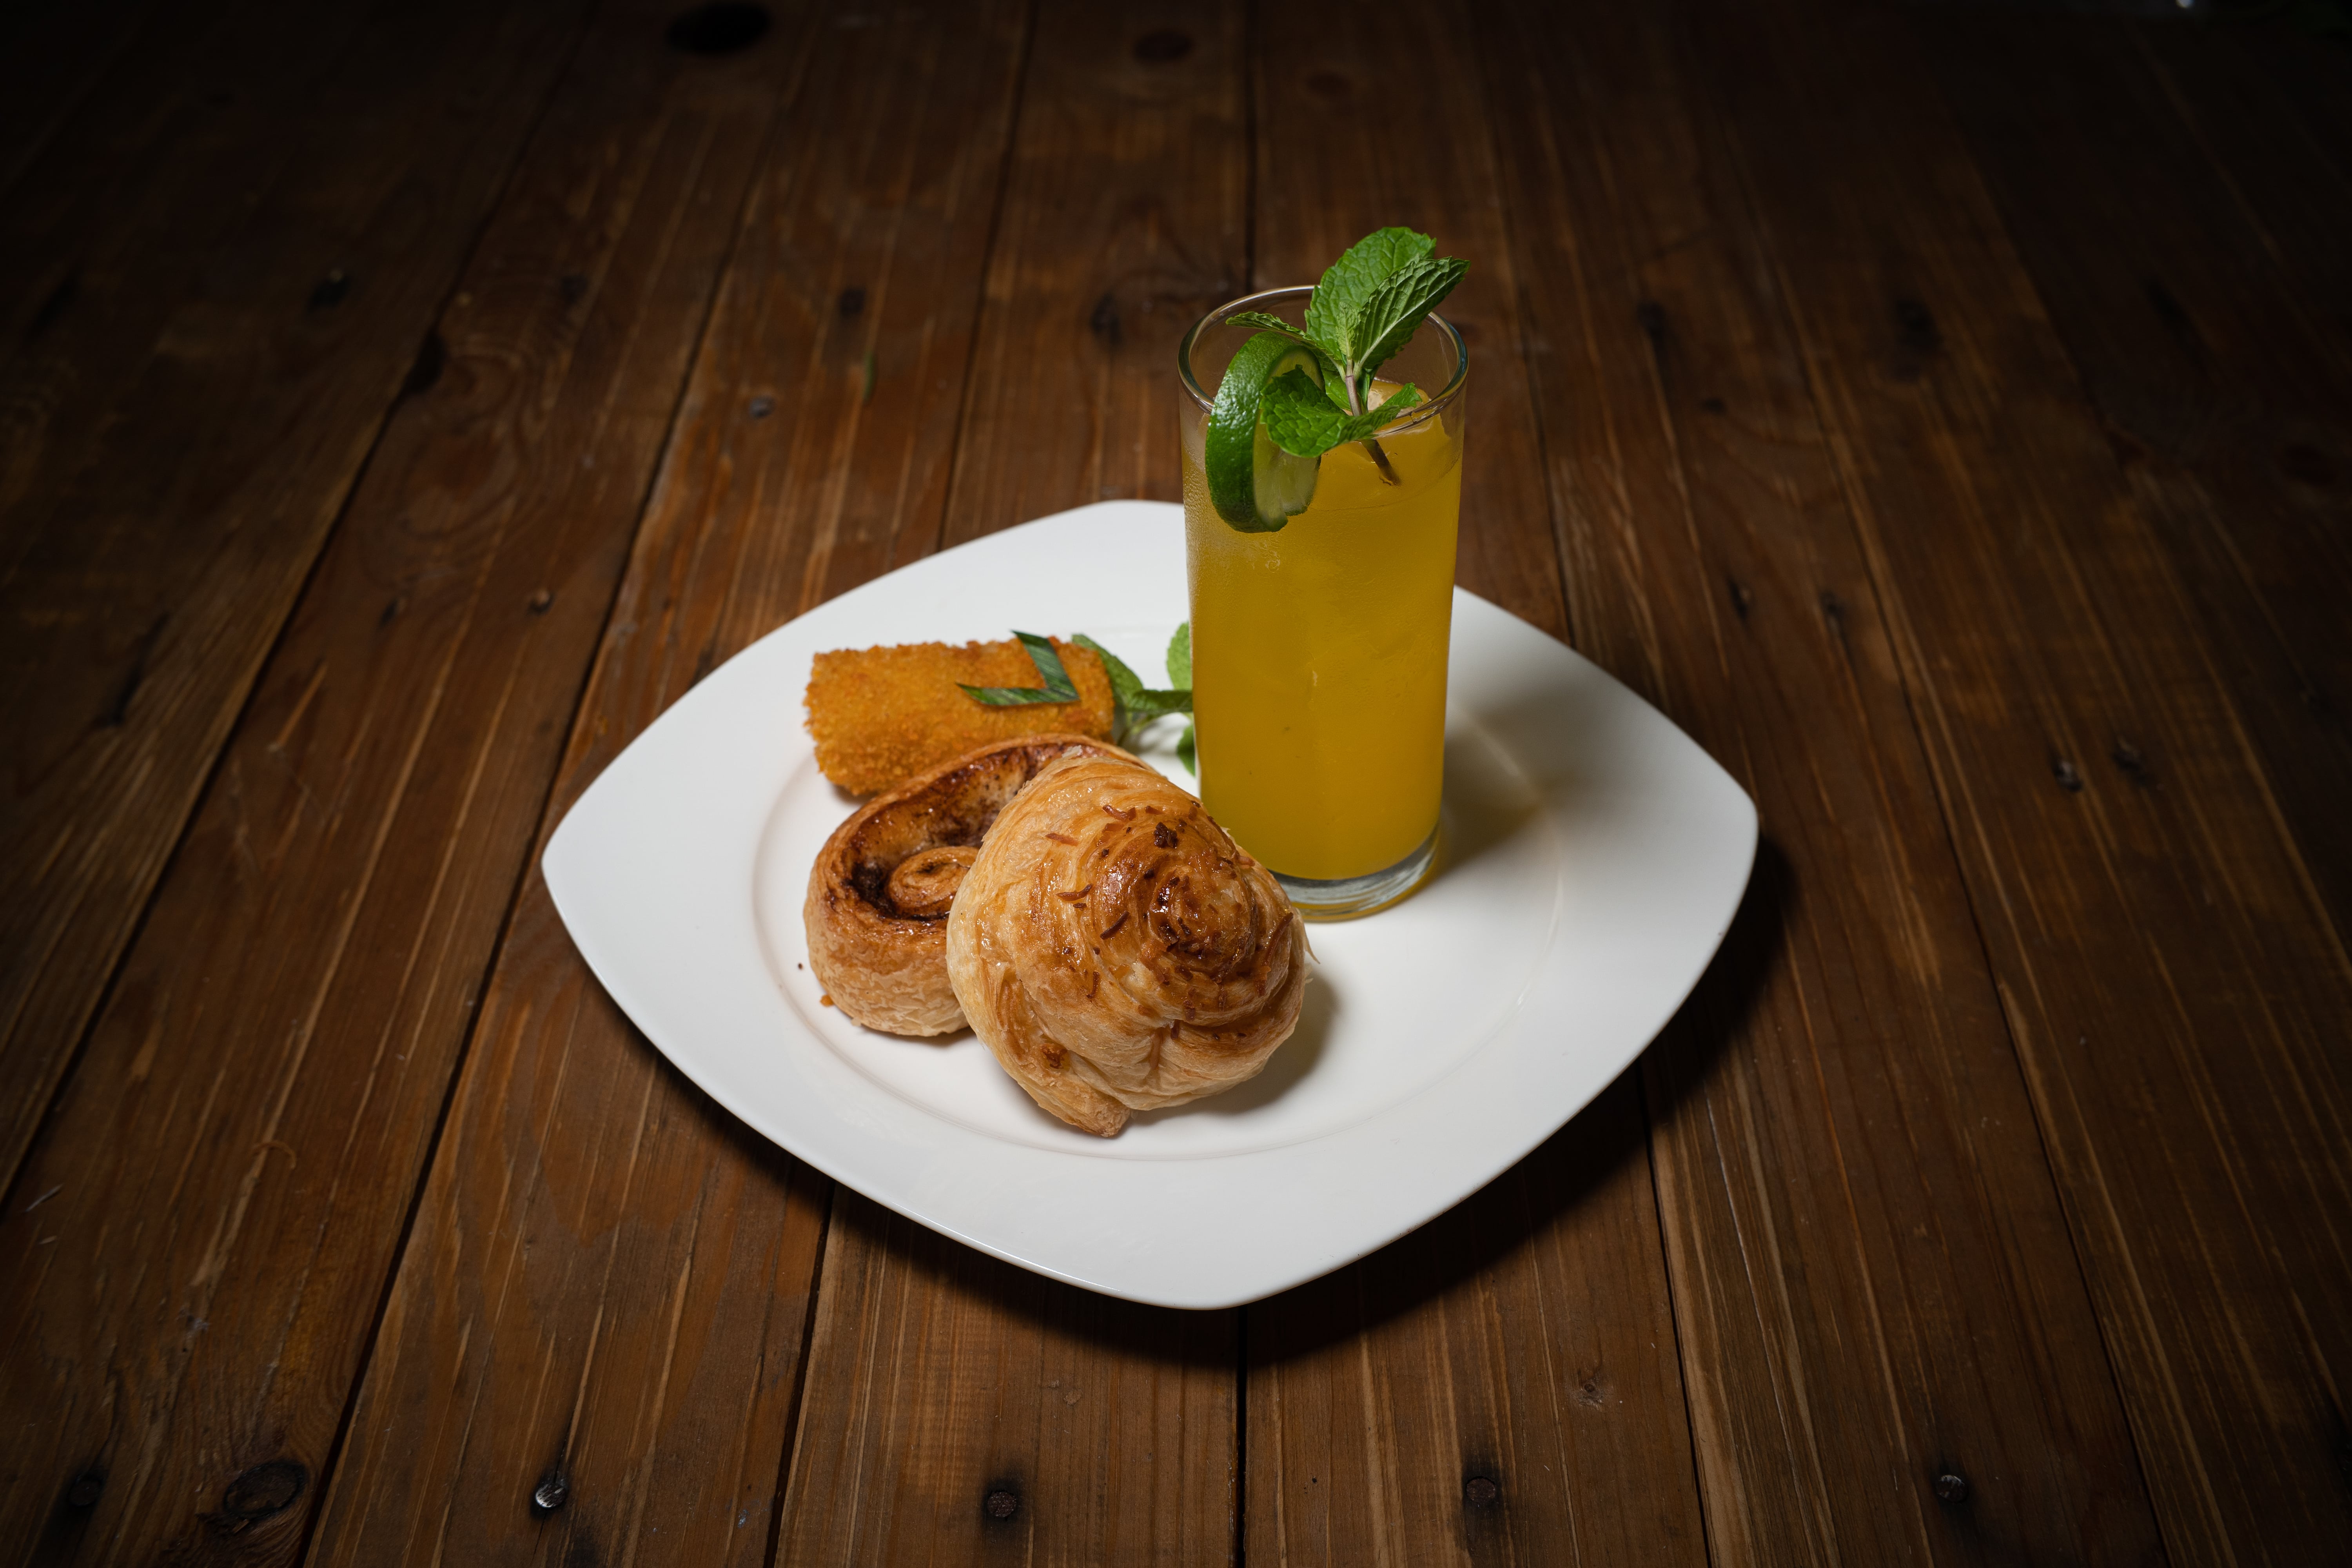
(1943, 412)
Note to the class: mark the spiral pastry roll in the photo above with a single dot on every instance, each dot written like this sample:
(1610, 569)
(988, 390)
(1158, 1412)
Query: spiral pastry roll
(877, 910)
(1116, 952)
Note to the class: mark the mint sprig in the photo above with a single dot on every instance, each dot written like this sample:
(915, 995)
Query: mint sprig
(1360, 317)
(1134, 706)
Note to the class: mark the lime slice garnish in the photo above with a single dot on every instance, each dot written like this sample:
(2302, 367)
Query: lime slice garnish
(1255, 485)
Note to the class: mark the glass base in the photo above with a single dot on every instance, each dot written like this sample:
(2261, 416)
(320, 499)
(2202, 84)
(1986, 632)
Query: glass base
(1348, 897)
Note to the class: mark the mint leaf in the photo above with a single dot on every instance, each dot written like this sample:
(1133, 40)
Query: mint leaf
(1149, 705)
(1187, 752)
(1058, 687)
(1305, 425)
(1272, 323)
(1338, 299)
(1179, 656)
(1136, 704)
(1299, 418)
(1395, 307)
(1369, 423)
(1124, 682)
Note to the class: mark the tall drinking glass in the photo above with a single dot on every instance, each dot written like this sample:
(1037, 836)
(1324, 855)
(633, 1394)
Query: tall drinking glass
(1318, 651)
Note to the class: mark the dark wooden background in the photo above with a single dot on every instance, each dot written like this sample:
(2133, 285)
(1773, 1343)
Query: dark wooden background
(1943, 411)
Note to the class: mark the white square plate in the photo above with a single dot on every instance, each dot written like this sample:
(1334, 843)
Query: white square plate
(1592, 858)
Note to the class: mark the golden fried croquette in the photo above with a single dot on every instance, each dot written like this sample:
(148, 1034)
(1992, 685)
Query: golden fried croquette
(881, 715)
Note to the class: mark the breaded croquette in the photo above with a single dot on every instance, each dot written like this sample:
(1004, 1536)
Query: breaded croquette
(881, 715)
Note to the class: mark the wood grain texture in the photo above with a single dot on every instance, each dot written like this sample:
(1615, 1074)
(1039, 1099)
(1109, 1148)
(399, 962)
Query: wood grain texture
(609, 1279)
(1874, 1282)
(962, 1410)
(2168, 968)
(2194, 296)
(1125, 220)
(151, 559)
(233, 1160)
(937, 1377)
(1940, 411)
(1346, 100)
(1501, 1387)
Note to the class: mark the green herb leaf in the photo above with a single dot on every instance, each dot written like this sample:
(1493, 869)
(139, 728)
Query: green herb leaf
(1136, 705)
(1333, 387)
(1301, 420)
(1124, 682)
(1305, 424)
(1338, 299)
(1271, 323)
(1057, 688)
(1369, 423)
(1395, 306)
(1188, 753)
(1149, 704)
(1179, 656)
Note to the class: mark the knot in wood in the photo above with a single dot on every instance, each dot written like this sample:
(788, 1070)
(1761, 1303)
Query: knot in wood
(85, 1490)
(1161, 46)
(1952, 1488)
(267, 1488)
(1480, 1492)
(550, 1494)
(1002, 1504)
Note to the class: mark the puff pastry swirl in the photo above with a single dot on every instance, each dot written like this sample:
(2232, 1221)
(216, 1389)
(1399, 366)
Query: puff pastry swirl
(1116, 952)
(877, 910)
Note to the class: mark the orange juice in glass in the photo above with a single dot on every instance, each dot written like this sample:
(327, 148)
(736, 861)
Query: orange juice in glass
(1318, 650)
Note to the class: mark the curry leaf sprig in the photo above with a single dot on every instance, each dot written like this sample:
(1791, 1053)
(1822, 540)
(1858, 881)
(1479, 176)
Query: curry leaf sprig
(1134, 705)
(1359, 316)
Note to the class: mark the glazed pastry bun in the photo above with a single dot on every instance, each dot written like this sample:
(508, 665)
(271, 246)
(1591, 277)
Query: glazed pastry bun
(1116, 952)
(877, 910)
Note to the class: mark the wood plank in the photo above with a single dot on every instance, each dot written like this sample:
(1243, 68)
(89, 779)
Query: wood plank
(2175, 991)
(937, 1377)
(962, 1410)
(1874, 1282)
(151, 568)
(1345, 106)
(187, 136)
(2199, 325)
(608, 1278)
(1502, 1385)
(1125, 219)
(230, 1168)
